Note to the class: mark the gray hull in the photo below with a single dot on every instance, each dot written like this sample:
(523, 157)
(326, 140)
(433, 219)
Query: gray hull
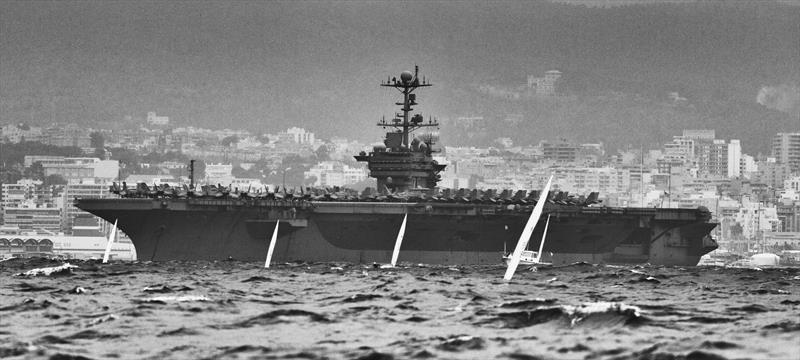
(365, 232)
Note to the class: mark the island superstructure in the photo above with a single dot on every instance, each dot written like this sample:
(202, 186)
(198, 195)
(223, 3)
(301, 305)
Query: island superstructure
(402, 163)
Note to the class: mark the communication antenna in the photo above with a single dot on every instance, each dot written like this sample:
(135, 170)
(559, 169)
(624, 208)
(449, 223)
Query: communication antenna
(406, 84)
(191, 174)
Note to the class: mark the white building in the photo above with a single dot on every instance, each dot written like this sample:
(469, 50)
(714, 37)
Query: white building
(747, 166)
(757, 219)
(734, 158)
(24, 190)
(153, 119)
(498, 183)
(248, 142)
(680, 149)
(26, 218)
(77, 169)
(86, 189)
(467, 121)
(245, 184)
(792, 183)
(583, 180)
(335, 173)
(150, 180)
(219, 174)
(29, 160)
(547, 85)
(73, 247)
(297, 135)
(28, 205)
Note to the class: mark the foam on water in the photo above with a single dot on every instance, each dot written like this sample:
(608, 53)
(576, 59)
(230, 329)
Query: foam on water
(66, 268)
(232, 309)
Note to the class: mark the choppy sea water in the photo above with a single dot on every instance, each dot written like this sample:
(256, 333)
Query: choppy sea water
(239, 310)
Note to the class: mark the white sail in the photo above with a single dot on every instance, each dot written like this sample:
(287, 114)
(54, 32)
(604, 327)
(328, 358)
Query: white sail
(111, 238)
(526, 233)
(399, 241)
(541, 245)
(272, 244)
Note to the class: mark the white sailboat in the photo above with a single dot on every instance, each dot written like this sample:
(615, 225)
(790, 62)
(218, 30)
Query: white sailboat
(399, 241)
(272, 244)
(111, 238)
(530, 257)
(522, 244)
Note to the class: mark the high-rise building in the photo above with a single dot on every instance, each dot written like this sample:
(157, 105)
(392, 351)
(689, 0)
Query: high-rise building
(712, 158)
(30, 206)
(47, 219)
(786, 150)
(29, 191)
(772, 173)
(560, 151)
(680, 150)
(700, 149)
(789, 214)
(734, 158)
(80, 190)
(747, 165)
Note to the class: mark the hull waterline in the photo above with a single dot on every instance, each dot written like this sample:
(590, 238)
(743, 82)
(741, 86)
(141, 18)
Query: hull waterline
(191, 229)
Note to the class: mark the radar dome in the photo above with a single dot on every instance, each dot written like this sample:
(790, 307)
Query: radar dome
(415, 143)
(406, 76)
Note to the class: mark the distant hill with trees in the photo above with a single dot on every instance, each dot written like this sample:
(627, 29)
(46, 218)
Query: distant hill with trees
(271, 65)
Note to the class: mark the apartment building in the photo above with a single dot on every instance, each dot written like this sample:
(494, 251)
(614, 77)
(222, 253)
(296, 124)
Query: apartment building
(786, 150)
(335, 173)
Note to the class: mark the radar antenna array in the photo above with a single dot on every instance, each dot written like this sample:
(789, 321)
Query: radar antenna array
(406, 85)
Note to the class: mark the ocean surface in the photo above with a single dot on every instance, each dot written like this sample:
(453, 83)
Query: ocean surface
(238, 310)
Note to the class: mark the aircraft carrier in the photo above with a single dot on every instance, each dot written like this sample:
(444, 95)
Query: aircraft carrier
(444, 226)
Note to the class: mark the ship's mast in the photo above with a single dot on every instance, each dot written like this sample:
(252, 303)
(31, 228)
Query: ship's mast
(403, 163)
(407, 83)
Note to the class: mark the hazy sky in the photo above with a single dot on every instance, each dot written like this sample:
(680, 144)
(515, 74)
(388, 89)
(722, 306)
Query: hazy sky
(264, 64)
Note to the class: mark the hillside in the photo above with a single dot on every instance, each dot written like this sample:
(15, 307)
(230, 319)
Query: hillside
(618, 119)
(266, 66)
